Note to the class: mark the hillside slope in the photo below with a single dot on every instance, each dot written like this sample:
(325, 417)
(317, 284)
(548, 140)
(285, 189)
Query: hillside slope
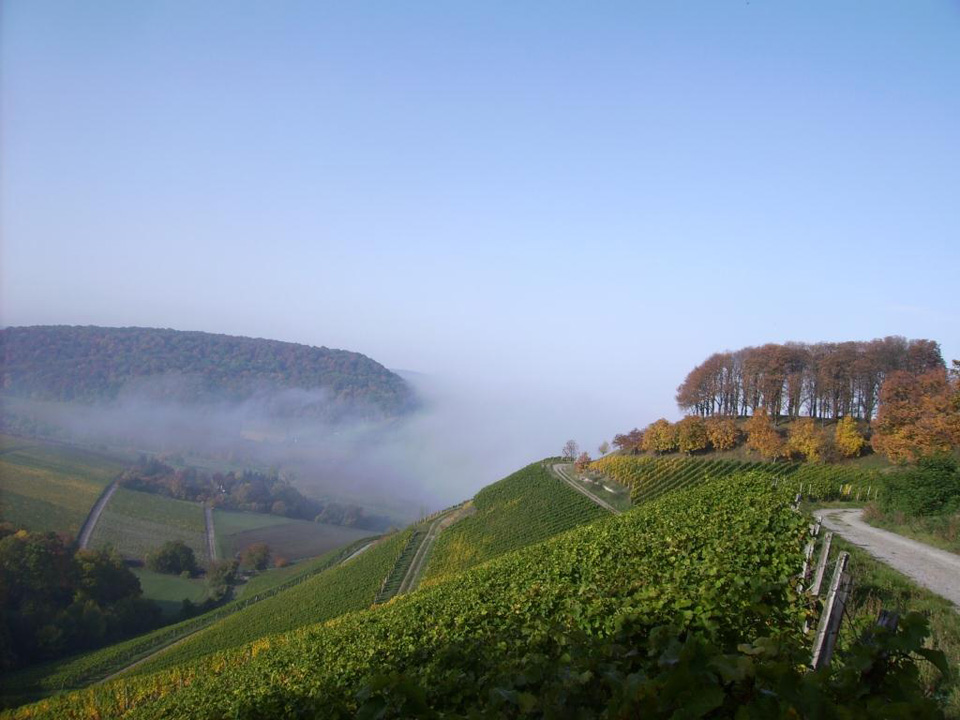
(95, 364)
(524, 508)
(329, 594)
(716, 560)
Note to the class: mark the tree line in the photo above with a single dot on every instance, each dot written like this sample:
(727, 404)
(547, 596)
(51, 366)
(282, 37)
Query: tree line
(820, 380)
(247, 490)
(917, 416)
(57, 599)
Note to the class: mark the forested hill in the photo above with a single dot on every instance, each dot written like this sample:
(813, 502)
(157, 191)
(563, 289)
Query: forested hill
(92, 364)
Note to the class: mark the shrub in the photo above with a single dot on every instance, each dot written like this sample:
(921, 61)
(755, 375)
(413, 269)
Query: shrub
(932, 487)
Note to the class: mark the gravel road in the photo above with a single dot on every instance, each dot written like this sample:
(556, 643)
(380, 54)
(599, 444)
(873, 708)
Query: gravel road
(935, 569)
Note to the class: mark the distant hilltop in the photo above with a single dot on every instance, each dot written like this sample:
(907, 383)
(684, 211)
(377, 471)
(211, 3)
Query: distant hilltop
(101, 364)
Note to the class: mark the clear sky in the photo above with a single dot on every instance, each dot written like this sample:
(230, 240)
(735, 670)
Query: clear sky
(588, 197)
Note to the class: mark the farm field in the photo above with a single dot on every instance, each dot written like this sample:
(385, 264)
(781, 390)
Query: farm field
(524, 508)
(327, 595)
(169, 591)
(136, 522)
(287, 538)
(46, 486)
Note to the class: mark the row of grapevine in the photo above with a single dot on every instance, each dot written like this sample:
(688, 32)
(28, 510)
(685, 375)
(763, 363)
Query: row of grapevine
(649, 478)
(526, 507)
(391, 584)
(89, 667)
(697, 574)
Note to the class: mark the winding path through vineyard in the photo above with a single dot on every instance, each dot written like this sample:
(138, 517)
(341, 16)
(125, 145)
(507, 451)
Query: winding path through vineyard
(86, 532)
(935, 569)
(562, 471)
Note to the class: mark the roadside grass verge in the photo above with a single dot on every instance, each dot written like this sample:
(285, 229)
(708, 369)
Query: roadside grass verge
(877, 586)
(942, 531)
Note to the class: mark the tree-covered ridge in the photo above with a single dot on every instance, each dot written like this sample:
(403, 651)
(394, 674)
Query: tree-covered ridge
(89, 364)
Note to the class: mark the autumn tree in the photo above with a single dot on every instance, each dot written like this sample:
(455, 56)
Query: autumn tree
(723, 433)
(918, 416)
(692, 434)
(604, 448)
(570, 450)
(806, 440)
(823, 380)
(762, 436)
(582, 462)
(660, 437)
(847, 437)
(256, 556)
(629, 442)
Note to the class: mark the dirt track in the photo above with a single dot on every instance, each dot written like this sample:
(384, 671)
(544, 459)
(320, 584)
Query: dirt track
(211, 532)
(561, 472)
(935, 569)
(86, 532)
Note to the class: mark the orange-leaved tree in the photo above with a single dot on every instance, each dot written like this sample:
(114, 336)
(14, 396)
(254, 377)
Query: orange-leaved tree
(660, 437)
(806, 439)
(723, 432)
(919, 415)
(762, 436)
(847, 438)
(692, 434)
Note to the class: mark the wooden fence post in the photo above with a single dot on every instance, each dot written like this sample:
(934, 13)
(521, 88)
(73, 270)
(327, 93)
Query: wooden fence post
(821, 563)
(826, 638)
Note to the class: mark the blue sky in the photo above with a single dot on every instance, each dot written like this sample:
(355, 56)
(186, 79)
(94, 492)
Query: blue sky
(585, 198)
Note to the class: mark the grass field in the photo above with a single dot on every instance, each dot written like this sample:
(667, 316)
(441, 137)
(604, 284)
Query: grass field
(46, 486)
(169, 591)
(137, 522)
(290, 539)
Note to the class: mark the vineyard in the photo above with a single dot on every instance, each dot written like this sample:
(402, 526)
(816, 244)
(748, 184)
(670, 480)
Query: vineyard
(391, 585)
(50, 487)
(649, 478)
(137, 522)
(524, 508)
(90, 667)
(623, 616)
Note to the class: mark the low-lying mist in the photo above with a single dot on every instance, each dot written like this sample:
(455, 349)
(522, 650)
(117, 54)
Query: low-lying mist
(464, 435)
